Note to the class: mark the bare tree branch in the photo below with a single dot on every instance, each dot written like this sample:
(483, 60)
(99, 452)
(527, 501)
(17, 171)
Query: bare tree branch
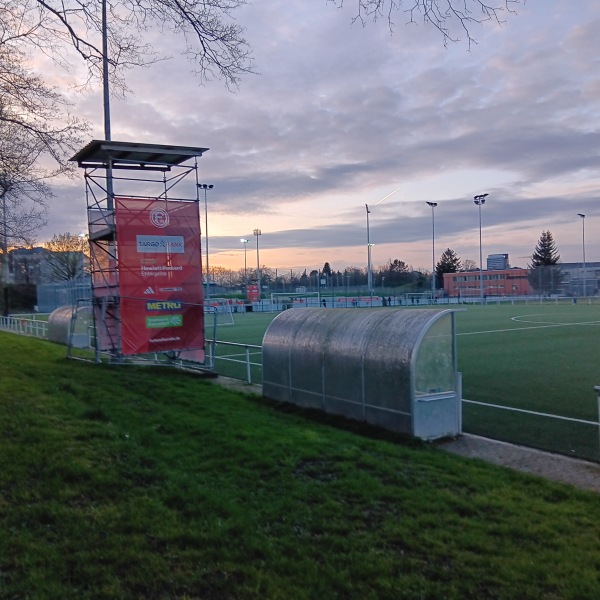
(34, 113)
(214, 42)
(449, 17)
(23, 190)
(67, 256)
(34, 118)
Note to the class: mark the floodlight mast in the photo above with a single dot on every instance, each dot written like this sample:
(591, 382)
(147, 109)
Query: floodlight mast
(206, 187)
(245, 242)
(583, 245)
(369, 273)
(433, 286)
(479, 200)
(257, 233)
(106, 106)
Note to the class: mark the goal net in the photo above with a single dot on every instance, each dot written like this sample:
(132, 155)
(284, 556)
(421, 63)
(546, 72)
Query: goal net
(422, 298)
(282, 301)
(222, 309)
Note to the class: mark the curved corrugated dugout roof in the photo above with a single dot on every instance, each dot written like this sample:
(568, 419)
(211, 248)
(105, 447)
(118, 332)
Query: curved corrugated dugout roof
(362, 364)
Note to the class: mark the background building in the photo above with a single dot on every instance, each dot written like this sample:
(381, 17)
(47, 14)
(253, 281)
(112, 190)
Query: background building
(502, 282)
(562, 279)
(497, 262)
(573, 274)
(28, 265)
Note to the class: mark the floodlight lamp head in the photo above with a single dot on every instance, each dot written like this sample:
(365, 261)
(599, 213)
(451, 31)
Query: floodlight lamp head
(244, 240)
(581, 215)
(367, 207)
(432, 204)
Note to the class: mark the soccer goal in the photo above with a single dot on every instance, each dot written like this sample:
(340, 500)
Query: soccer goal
(282, 301)
(222, 308)
(419, 299)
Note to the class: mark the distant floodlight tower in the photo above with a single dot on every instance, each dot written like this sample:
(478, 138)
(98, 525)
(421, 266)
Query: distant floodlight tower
(245, 242)
(206, 187)
(583, 244)
(258, 232)
(369, 273)
(479, 200)
(433, 286)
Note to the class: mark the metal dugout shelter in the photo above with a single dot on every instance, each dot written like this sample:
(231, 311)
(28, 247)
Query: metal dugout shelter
(395, 368)
(116, 170)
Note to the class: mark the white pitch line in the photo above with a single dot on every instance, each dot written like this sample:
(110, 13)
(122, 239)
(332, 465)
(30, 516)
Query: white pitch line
(533, 412)
(525, 328)
(522, 319)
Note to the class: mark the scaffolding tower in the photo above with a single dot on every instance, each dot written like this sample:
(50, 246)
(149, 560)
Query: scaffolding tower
(138, 173)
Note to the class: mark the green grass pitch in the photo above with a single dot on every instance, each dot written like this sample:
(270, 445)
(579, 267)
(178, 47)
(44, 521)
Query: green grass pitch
(541, 358)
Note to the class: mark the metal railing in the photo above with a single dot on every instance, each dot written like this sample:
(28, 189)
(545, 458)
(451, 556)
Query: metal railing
(243, 356)
(24, 326)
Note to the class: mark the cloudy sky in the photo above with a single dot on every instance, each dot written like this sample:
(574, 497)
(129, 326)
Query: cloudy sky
(339, 115)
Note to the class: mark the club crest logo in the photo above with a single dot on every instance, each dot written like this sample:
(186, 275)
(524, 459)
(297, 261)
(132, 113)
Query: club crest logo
(159, 217)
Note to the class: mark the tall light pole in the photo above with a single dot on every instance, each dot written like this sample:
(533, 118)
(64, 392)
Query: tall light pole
(5, 273)
(369, 273)
(4, 235)
(245, 242)
(479, 200)
(257, 232)
(583, 244)
(206, 187)
(433, 286)
(106, 107)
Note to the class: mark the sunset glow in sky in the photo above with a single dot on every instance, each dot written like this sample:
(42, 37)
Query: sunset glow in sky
(339, 115)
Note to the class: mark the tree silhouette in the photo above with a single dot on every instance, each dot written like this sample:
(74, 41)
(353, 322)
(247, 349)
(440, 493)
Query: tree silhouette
(454, 19)
(449, 263)
(544, 274)
(66, 258)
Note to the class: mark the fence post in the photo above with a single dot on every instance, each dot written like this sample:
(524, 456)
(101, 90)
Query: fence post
(597, 390)
(248, 369)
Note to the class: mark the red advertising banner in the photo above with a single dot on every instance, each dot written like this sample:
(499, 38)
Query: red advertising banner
(160, 275)
(252, 294)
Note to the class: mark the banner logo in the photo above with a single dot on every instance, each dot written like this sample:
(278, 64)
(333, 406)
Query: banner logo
(159, 217)
(160, 244)
(163, 305)
(165, 321)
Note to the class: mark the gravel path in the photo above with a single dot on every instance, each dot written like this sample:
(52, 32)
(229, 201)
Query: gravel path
(579, 473)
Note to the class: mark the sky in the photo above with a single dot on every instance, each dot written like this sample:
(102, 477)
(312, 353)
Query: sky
(339, 115)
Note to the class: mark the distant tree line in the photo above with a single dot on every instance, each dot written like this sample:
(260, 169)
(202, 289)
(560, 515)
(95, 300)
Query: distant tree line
(545, 275)
(65, 258)
(393, 274)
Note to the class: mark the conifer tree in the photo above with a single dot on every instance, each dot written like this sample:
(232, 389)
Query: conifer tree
(449, 263)
(544, 274)
(545, 252)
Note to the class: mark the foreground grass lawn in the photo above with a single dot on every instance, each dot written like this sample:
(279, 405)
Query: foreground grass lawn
(133, 483)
